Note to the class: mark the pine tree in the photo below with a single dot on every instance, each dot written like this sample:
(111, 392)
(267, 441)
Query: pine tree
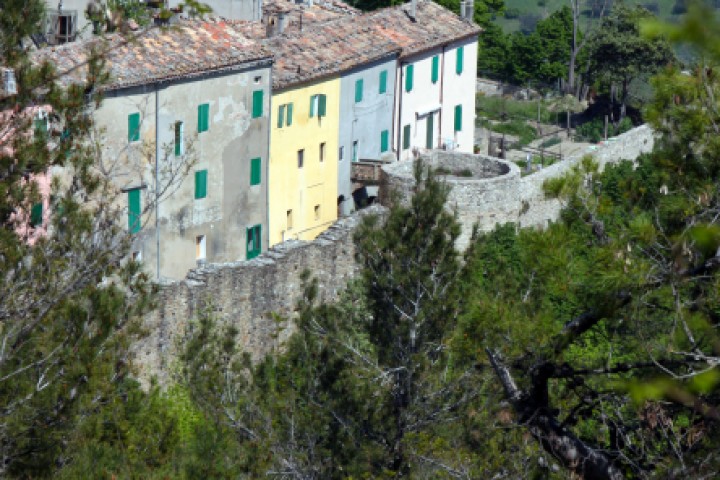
(70, 300)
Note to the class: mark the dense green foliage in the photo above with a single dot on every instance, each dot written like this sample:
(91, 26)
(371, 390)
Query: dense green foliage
(594, 130)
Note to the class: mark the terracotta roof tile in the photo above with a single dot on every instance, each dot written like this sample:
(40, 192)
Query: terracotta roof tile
(335, 46)
(184, 50)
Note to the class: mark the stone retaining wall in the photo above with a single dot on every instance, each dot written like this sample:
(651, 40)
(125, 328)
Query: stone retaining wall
(247, 294)
(497, 194)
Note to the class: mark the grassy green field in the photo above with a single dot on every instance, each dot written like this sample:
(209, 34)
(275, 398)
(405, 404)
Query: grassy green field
(542, 8)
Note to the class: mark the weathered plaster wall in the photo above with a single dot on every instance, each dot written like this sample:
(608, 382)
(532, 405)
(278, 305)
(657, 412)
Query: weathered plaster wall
(500, 195)
(247, 293)
(299, 190)
(436, 100)
(225, 150)
(363, 121)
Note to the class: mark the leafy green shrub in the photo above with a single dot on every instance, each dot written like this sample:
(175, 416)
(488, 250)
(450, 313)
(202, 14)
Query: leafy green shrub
(519, 128)
(552, 141)
(594, 130)
(499, 108)
(512, 13)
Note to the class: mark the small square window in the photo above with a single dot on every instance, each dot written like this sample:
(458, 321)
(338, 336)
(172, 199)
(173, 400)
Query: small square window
(322, 152)
(317, 212)
(301, 158)
(200, 247)
(136, 256)
(257, 79)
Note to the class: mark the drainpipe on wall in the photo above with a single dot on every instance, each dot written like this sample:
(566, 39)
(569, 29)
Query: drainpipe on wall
(267, 164)
(442, 83)
(157, 178)
(399, 111)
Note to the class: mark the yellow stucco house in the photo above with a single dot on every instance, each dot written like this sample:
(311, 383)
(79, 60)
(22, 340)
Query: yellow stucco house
(303, 160)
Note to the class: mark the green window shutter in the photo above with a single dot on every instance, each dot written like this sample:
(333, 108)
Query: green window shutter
(41, 126)
(203, 117)
(281, 116)
(409, 77)
(406, 137)
(459, 60)
(458, 118)
(36, 214)
(255, 175)
(289, 114)
(313, 101)
(134, 210)
(253, 241)
(435, 69)
(384, 141)
(383, 82)
(322, 105)
(358, 90)
(200, 184)
(257, 104)
(133, 127)
(429, 136)
(179, 139)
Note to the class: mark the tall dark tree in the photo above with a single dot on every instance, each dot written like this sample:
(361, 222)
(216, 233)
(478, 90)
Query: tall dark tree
(619, 54)
(69, 299)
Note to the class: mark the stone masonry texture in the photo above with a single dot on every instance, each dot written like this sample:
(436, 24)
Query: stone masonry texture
(250, 293)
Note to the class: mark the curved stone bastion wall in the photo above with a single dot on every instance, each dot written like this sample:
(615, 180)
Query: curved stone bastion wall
(488, 197)
(496, 193)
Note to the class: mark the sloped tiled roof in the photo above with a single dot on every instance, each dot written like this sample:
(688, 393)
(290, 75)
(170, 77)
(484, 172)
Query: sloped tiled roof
(184, 50)
(325, 49)
(334, 46)
(433, 26)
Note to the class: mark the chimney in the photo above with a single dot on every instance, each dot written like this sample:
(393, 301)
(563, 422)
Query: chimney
(469, 10)
(413, 10)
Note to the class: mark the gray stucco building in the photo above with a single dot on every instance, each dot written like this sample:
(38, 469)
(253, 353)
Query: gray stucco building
(366, 106)
(185, 141)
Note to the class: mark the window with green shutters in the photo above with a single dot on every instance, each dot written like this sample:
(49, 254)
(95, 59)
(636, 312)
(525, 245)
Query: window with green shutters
(133, 127)
(281, 116)
(41, 126)
(358, 90)
(255, 169)
(257, 104)
(435, 69)
(134, 210)
(458, 118)
(406, 137)
(285, 114)
(383, 82)
(253, 241)
(201, 184)
(459, 60)
(322, 105)
(384, 141)
(179, 146)
(36, 214)
(289, 114)
(203, 117)
(409, 77)
(318, 105)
